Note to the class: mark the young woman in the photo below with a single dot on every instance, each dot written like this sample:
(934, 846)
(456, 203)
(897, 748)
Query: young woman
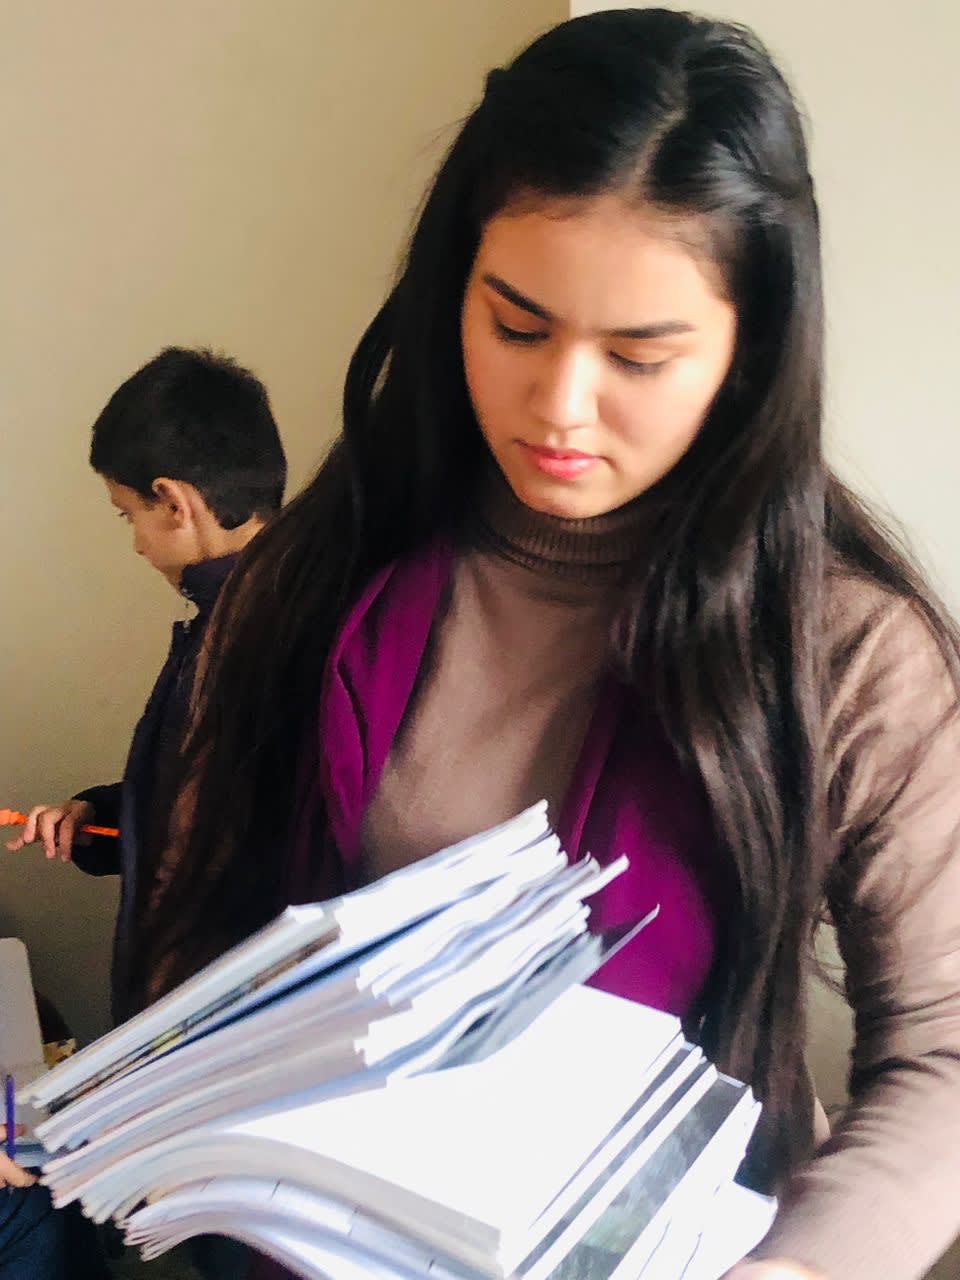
(578, 540)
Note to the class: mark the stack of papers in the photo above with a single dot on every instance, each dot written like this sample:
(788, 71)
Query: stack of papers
(411, 1080)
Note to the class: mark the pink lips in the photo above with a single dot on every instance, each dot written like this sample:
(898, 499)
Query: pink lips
(561, 464)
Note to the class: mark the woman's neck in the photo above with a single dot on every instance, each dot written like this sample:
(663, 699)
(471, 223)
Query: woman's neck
(597, 549)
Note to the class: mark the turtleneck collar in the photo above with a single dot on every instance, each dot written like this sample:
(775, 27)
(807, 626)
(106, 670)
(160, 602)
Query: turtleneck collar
(597, 549)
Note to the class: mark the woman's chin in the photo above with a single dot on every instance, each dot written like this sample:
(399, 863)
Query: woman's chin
(562, 501)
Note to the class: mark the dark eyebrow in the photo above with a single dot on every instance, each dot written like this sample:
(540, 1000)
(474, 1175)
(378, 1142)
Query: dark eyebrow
(516, 297)
(663, 329)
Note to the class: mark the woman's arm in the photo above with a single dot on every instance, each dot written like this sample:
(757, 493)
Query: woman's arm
(882, 1196)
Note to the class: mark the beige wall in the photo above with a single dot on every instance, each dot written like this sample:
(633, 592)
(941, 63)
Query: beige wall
(239, 173)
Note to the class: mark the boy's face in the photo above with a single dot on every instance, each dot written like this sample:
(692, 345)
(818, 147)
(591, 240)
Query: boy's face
(157, 534)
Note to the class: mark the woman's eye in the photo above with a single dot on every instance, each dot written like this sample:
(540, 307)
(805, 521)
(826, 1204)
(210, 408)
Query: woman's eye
(637, 366)
(525, 337)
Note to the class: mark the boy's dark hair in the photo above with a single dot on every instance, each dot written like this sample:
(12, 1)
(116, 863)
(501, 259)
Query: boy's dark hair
(200, 418)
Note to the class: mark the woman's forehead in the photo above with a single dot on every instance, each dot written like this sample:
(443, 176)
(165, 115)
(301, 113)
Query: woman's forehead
(601, 264)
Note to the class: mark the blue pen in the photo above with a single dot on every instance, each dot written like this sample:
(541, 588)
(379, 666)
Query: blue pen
(10, 1141)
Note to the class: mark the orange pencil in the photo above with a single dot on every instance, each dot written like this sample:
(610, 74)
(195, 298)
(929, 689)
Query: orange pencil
(10, 818)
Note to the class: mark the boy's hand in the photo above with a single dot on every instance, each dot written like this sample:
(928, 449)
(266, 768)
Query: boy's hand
(56, 827)
(11, 1175)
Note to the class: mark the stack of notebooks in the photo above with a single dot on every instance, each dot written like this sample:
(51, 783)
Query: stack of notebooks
(412, 1080)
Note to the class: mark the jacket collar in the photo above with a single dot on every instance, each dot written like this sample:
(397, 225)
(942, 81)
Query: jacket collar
(201, 583)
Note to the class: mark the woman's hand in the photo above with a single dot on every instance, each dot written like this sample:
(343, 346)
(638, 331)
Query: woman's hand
(774, 1270)
(11, 1175)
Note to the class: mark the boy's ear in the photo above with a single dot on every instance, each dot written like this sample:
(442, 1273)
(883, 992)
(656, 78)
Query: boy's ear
(176, 498)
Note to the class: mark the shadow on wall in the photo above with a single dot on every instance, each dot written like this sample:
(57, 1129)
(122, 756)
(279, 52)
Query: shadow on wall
(831, 1027)
(77, 984)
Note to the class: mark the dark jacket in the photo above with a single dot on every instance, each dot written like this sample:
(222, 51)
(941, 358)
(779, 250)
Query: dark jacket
(144, 795)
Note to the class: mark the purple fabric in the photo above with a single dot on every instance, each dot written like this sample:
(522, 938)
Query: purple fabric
(628, 793)
(368, 681)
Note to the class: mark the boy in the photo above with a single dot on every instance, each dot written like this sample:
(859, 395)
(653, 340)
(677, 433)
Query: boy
(191, 458)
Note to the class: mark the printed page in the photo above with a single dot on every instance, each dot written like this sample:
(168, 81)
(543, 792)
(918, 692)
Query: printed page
(338, 1040)
(413, 1134)
(735, 1223)
(350, 923)
(155, 1030)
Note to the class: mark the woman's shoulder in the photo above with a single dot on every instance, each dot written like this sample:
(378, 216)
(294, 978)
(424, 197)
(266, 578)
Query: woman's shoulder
(891, 666)
(857, 605)
(869, 625)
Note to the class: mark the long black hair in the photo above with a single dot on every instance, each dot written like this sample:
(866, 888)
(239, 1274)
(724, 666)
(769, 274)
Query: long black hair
(688, 116)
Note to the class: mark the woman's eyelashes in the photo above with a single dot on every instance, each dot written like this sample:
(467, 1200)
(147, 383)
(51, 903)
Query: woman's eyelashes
(532, 337)
(524, 337)
(637, 366)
